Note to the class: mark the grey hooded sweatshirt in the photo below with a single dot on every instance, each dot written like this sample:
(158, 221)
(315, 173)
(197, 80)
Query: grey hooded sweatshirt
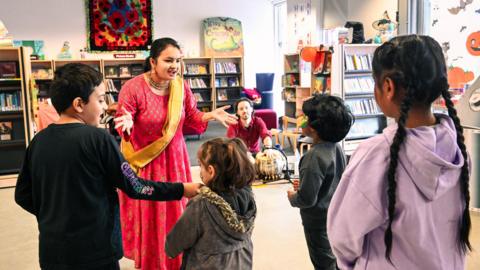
(215, 231)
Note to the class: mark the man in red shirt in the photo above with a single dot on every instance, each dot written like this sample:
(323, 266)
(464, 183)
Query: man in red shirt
(250, 128)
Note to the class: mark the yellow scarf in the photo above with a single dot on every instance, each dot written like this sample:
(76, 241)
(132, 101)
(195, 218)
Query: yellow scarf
(139, 159)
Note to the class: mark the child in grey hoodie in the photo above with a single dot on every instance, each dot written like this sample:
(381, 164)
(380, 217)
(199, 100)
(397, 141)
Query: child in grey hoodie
(215, 230)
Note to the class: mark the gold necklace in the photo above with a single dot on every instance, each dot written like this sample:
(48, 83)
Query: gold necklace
(157, 85)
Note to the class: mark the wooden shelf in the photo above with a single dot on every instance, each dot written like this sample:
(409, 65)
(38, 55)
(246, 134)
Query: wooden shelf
(10, 79)
(12, 143)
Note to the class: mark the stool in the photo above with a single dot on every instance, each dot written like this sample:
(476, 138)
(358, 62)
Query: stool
(268, 116)
(305, 142)
(276, 134)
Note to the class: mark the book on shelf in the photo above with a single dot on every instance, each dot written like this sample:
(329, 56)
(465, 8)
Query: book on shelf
(8, 69)
(42, 73)
(124, 71)
(289, 80)
(361, 85)
(233, 81)
(225, 67)
(6, 131)
(358, 62)
(221, 82)
(111, 72)
(222, 94)
(10, 101)
(366, 106)
(198, 97)
(364, 128)
(196, 69)
(136, 69)
(196, 83)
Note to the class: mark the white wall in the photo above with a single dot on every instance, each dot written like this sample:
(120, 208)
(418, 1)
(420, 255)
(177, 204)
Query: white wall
(56, 21)
(337, 12)
(369, 11)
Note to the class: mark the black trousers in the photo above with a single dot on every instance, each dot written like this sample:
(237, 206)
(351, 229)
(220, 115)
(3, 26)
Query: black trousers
(319, 249)
(112, 266)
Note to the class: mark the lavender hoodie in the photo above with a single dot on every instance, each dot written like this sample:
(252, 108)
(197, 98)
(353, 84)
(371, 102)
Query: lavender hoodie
(428, 205)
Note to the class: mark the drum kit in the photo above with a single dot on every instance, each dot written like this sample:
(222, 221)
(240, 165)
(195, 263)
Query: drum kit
(272, 167)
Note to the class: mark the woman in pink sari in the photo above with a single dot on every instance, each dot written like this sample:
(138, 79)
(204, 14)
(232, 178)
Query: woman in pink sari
(153, 108)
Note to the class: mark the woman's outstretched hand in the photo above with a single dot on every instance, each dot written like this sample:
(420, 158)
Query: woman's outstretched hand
(125, 121)
(222, 116)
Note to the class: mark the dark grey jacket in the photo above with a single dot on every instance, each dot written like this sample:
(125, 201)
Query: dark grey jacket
(320, 171)
(215, 231)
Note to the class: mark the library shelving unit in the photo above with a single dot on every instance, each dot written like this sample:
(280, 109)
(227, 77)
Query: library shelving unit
(198, 75)
(352, 81)
(296, 83)
(15, 128)
(121, 70)
(228, 80)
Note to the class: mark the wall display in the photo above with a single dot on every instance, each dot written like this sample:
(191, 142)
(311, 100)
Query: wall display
(451, 25)
(119, 25)
(223, 37)
(36, 46)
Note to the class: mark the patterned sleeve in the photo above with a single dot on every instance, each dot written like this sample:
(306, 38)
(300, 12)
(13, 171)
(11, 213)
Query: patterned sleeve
(193, 117)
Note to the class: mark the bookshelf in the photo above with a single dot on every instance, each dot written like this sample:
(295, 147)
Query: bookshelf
(197, 74)
(352, 81)
(296, 83)
(15, 128)
(228, 80)
(121, 70)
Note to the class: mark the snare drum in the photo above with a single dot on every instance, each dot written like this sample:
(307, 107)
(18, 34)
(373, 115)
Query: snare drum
(269, 168)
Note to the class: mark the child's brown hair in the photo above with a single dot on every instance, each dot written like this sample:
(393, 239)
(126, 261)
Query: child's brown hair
(233, 169)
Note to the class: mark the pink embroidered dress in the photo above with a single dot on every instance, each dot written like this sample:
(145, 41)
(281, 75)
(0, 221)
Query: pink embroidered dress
(145, 224)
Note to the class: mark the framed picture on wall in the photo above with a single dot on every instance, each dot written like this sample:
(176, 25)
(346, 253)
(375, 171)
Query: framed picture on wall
(119, 25)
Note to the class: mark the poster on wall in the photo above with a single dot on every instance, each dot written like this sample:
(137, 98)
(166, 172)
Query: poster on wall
(114, 25)
(223, 36)
(451, 25)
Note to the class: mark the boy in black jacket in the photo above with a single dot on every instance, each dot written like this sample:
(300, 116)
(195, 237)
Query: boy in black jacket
(70, 175)
(320, 171)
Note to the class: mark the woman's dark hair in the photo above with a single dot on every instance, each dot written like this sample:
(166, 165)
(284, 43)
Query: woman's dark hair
(328, 116)
(233, 169)
(416, 65)
(72, 81)
(157, 48)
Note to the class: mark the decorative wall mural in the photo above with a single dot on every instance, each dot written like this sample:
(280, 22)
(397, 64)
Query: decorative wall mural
(457, 30)
(119, 25)
(473, 43)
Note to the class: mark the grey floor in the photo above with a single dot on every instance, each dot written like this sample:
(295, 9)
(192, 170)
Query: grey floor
(278, 235)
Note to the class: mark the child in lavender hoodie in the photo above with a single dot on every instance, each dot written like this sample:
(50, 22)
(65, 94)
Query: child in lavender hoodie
(402, 202)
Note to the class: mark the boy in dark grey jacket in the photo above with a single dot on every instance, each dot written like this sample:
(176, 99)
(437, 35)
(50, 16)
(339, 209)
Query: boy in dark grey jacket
(215, 230)
(320, 171)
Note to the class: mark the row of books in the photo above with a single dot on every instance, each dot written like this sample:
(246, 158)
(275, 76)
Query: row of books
(362, 106)
(197, 83)
(290, 80)
(359, 85)
(363, 128)
(10, 101)
(227, 82)
(225, 67)
(195, 69)
(358, 62)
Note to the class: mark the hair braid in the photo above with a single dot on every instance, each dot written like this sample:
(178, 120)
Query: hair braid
(392, 168)
(465, 222)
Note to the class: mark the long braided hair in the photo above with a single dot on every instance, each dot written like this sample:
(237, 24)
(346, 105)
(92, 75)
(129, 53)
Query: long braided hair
(416, 64)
